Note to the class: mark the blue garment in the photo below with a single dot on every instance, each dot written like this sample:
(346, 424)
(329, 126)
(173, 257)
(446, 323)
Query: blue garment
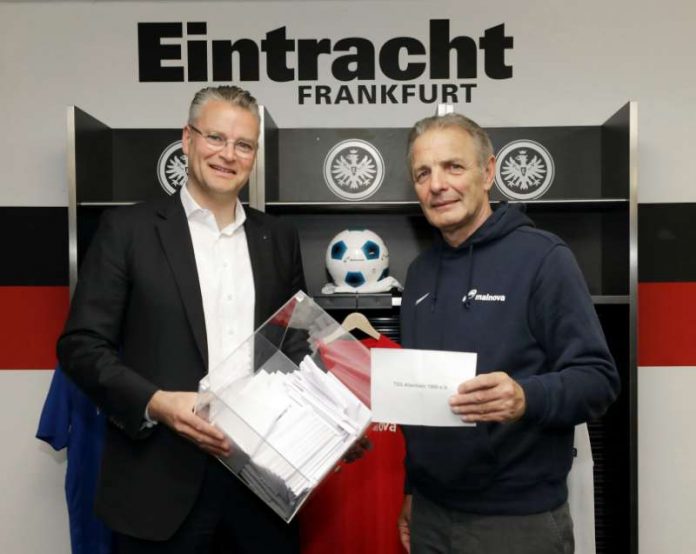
(514, 295)
(69, 420)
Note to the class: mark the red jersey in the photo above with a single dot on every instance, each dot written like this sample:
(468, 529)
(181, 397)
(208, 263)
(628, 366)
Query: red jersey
(355, 509)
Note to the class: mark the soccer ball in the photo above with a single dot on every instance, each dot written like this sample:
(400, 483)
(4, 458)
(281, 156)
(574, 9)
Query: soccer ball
(356, 257)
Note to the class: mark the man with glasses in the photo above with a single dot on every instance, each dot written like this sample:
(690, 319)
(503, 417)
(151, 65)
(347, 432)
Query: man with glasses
(167, 290)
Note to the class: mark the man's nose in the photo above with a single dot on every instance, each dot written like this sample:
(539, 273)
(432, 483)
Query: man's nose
(228, 151)
(437, 181)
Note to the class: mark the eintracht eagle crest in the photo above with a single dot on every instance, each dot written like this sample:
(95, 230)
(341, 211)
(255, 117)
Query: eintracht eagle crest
(353, 169)
(524, 170)
(171, 168)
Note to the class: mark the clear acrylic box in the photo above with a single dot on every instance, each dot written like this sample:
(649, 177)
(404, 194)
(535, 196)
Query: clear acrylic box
(291, 399)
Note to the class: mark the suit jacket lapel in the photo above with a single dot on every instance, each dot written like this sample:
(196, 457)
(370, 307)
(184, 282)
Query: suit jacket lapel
(260, 254)
(175, 236)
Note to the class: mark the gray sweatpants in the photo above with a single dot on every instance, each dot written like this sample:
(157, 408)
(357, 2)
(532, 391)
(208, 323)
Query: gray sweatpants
(437, 530)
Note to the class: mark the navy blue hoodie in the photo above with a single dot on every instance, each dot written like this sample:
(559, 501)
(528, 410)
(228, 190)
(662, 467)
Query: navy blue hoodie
(514, 295)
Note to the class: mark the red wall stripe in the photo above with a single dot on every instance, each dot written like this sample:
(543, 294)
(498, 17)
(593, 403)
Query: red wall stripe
(31, 320)
(667, 324)
(33, 317)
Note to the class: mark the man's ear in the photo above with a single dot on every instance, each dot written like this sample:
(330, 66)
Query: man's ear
(489, 173)
(185, 138)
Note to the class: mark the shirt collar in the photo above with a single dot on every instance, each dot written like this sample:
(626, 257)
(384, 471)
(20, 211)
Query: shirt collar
(192, 209)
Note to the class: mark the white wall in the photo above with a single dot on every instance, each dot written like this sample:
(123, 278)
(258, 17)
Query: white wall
(666, 453)
(574, 64)
(32, 506)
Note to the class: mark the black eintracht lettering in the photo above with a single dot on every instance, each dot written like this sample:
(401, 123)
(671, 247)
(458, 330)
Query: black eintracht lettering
(360, 65)
(352, 58)
(389, 58)
(494, 43)
(151, 52)
(277, 46)
(308, 52)
(440, 48)
(247, 54)
(197, 52)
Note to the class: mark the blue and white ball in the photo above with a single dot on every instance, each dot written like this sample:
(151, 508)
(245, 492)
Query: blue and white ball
(356, 257)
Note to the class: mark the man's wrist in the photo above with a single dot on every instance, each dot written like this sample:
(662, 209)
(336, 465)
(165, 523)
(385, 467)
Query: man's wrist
(149, 420)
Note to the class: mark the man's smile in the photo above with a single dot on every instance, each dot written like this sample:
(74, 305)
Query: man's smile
(442, 204)
(221, 169)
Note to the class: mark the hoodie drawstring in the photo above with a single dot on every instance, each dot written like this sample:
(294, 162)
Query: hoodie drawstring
(436, 287)
(470, 281)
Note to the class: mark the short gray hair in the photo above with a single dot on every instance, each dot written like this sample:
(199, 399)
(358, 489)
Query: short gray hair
(481, 139)
(236, 96)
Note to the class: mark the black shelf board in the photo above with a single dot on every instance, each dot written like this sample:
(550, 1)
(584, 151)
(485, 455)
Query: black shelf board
(382, 301)
(406, 208)
(115, 203)
(410, 208)
(347, 301)
(577, 205)
(291, 208)
(618, 299)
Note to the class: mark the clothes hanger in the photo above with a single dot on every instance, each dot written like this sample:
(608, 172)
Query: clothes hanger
(356, 320)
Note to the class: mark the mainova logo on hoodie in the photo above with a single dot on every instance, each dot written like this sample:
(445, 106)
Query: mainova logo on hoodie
(474, 294)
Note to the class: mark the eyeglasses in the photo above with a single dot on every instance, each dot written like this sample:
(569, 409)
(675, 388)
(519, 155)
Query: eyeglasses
(243, 148)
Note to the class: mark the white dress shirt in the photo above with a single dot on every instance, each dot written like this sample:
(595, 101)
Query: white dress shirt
(226, 281)
(225, 278)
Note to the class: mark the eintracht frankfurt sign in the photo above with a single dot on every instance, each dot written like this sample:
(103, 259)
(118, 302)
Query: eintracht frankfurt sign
(354, 169)
(524, 170)
(414, 70)
(171, 168)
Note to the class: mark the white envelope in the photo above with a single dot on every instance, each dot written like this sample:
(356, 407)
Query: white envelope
(412, 387)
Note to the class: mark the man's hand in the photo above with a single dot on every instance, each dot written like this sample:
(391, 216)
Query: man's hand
(404, 523)
(489, 397)
(175, 410)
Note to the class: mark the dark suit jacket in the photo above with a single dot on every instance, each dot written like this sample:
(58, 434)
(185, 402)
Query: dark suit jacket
(136, 325)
